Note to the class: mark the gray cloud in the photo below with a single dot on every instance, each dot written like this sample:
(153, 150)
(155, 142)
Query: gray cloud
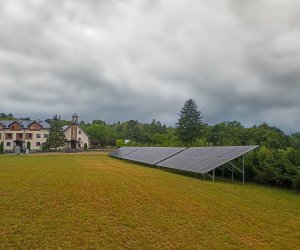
(119, 60)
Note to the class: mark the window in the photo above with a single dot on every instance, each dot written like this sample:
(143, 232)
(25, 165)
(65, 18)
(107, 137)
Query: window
(38, 135)
(28, 136)
(8, 144)
(79, 139)
(19, 136)
(79, 132)
(38, 144)
(8, 136)
(46, 135)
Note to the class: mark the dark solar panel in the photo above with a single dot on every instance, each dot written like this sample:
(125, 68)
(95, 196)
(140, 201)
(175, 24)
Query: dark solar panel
(204, 159)
(152, 155)
(121, 152)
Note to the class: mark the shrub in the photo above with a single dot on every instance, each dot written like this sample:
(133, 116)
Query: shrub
(45, 147)
(28, 145)
(85, 147)
(296, 181)
(120, 143)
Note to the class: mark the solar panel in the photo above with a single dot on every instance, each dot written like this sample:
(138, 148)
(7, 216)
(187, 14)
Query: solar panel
(120, 152)
(152, 155)
(204, 159)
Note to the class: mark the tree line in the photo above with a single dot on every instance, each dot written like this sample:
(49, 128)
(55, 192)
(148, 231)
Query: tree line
(276, 162)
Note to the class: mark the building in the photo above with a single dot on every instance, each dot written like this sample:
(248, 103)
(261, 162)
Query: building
(19, 133)
(76, 137)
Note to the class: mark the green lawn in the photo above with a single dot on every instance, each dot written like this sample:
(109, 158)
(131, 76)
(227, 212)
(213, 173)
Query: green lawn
(94, 201)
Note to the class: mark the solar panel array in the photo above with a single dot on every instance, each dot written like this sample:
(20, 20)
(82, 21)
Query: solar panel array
(152, 155)
(204, 159)
(197, 159)
(121, 152)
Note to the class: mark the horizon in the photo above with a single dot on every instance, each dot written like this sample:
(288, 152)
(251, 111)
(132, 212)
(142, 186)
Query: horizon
(147, 122)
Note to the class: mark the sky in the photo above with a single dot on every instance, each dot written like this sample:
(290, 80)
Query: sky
(118, 60)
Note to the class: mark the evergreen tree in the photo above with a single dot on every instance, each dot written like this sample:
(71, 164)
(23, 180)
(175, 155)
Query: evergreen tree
(56, 135)
(190, 123)
(1, 148)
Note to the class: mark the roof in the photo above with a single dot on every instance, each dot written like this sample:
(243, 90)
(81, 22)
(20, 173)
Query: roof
(65, 127)
(24, 124)
(77, 124)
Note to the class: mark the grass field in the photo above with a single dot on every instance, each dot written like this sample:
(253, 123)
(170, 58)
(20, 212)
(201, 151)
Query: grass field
(94, 201)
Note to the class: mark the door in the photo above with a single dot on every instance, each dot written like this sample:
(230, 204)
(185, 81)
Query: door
(73, 144)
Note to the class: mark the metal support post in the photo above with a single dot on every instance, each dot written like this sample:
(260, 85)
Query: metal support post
(243, 169)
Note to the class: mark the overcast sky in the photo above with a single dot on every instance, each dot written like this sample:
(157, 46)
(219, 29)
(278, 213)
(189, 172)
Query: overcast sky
(140, 59)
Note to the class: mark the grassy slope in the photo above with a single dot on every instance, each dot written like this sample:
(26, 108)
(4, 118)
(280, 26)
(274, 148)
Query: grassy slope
(95, 201)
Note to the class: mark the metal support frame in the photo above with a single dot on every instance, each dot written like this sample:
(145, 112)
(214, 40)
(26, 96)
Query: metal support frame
(231, 168)
(243, 169)
(235, 167)
(211, 176)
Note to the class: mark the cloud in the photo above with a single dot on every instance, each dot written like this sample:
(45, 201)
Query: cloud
(119, 60)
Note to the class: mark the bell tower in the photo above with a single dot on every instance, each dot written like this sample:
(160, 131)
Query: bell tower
(74, 129)
(75, 118)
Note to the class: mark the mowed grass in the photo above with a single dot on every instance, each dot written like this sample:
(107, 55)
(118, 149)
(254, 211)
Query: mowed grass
(97, 202)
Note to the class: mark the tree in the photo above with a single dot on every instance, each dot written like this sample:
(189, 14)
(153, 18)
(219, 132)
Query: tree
(96, 131)
(1, 148)
(190, 123)
(56, 135)
(28, 146)
(4, 116)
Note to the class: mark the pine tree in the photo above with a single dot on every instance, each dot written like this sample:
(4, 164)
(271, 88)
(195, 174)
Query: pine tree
(28, 146)
(1, 148)
(190, 123)
(56, 135)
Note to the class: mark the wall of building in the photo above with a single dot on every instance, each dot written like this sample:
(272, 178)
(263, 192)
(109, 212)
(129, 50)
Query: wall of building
(81, 136)
(38, 137)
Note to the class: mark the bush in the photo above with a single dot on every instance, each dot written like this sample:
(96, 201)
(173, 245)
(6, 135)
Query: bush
(28, 145)
(85, 147)
(45, 147)
(120, 143)
(296, 181)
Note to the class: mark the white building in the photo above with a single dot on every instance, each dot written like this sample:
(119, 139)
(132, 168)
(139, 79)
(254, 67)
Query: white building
(19, 133)
(76, 137)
